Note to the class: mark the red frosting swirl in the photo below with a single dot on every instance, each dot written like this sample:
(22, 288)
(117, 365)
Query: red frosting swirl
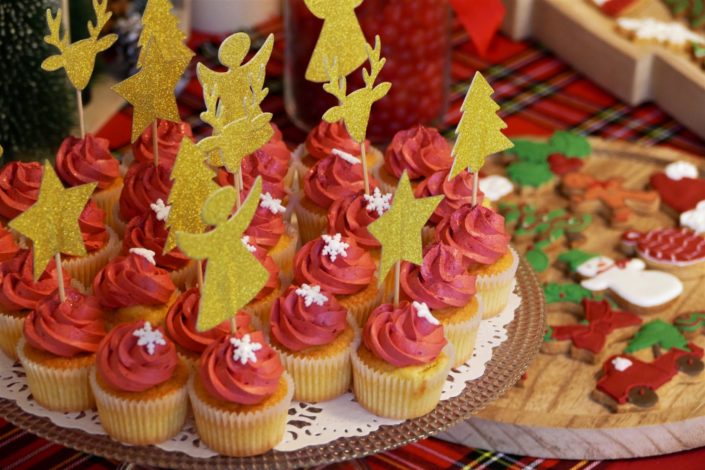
(273, 280)
(271, 161)
(169, 137)
(18, 290)
(345, 276)
(19, 187)
(478, 232)
(349, 216)
(92, 225)
(402, 338)
(181, 321)
(421, 151)
(333, 178)
(442, 280)
(87, 160)
(266, 228)
(297, 326)
(8, 246)
(325, 137)
(144, 184)
(132, 280)
(67, 328)
(229, 380)
(146, 231)
(457, 192)
(126, 366)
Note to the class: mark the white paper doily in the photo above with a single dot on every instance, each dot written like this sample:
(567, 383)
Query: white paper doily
(308, 424)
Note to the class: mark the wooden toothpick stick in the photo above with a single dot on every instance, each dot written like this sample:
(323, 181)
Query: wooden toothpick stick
(60, 279)
(365, 176)
(397, 276)
(475, 187)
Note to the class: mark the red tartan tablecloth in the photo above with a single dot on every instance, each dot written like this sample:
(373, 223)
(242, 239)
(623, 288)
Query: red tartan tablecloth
(538, 94)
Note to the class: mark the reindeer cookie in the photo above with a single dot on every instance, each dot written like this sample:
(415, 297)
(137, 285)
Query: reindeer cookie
(676, 250)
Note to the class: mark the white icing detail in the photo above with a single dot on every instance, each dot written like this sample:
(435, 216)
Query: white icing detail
(378, 202)
(311, 295)
(351, 159)
(334, 246)
(272, 204)
(495, 187)
(246, 241)
(422, 311)
(621, 363)
(599, 3)
(694, 219)
(680, 169)
(244, 349)
(149, 338)
(670, 33)
(634, 283)
(594, 266)
(145, 253)
(160, 209)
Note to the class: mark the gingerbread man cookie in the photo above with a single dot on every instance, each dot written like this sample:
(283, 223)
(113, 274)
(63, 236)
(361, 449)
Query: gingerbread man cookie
(677, 250)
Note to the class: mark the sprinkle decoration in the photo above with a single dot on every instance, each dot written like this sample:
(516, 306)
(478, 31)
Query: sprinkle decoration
(311, 295)
(161, 210)
(144, 253)
(149, 338)
(246, 242)
(334, 246)
(378, 202)
(422, 311)
(351, 159)
(272, 204)
(244, 349)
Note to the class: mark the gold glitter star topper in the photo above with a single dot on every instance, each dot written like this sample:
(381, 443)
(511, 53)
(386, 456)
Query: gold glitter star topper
(399, 229)
(233, 275)
(52, 222)
(341, 36)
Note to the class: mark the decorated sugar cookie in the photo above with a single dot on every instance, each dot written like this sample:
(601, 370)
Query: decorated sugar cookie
(495, 187)
(694, 219)
(566, 297)
(676, 250)
(615, 7)
(679, 186)
(690, 324)
(671, 34)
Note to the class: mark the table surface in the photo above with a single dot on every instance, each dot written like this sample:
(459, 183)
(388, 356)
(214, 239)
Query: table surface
(538, 94)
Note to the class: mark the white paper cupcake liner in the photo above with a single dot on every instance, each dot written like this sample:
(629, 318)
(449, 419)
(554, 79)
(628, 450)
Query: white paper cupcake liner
(463, 335)
(10, 333)
(84, 269)
(495, 289)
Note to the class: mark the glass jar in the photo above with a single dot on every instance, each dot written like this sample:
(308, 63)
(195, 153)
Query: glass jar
(415, 37)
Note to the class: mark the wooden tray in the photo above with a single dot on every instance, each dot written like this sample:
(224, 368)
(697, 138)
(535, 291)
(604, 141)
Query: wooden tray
(552, 415)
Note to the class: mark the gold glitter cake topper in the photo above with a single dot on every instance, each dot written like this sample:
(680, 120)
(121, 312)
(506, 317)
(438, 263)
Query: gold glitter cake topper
(52, 222)
(160, 25)
(233, 275)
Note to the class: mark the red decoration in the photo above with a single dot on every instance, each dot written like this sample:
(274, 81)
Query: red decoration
(481, 19)
(680, 195)
(562, 165)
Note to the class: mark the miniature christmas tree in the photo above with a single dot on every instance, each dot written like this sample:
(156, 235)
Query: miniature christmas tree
(659, 335)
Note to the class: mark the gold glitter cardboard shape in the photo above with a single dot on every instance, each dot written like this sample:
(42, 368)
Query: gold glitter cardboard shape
(78, 58)
(52, 222)
(341, 36)
(161, 26)
(479, 131)
(399, 229)
(193, 183)
(233, 275)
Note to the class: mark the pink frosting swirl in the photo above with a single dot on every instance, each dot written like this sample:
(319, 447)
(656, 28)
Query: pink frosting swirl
(126, 366)
(8, 246)
(478, 232)
(132, 280)
(87, 160)
(457, 192)
(297, 326)
(67, 328)
(350, 217)
(181, 321)
(92, 225)
(325, 137)
(144, 184)
(269, 264)
(442, 280)
(334, 178)
(421, 151)
(146, 231)
(19, 187)
(402, 338)
(271, 161)
(18, 291)
(169, 137)
(346, 275)
(266, 228)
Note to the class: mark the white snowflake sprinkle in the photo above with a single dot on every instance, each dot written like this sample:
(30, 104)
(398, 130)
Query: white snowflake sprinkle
(422, 311)
(273, 205)
(621, 363)
(246, 241)
(149, 338)
(311, 295)
(145, 253)
(244, 349)
(378, 202)
(334, 246)
(160, 209)
(351, 159)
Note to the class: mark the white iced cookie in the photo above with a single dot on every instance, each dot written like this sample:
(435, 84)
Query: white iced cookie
(495, 187)
(669, 33)
(694, 219)
(680, 169)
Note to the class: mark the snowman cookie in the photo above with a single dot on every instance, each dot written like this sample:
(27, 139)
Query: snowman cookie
(677, 250)
(634, 287)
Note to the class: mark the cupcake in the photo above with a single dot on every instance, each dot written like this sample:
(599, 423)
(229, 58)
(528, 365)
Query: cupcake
(133, 288)
(144, 184)
(260, 306)
(480, 235)
(342, 268)
(314, 337)
(88, 160)
(149, 231)
(169, 137)
(272, 161)
(352, 215)
(403, 361)
(456, 193)
(421, 151)
(444, 285)
(333, 178)
(8, 245)
(241, 396)
(19, 295)
(58, 350)
(139, 385)
(19, 188)
(180, 326)
(275, 188)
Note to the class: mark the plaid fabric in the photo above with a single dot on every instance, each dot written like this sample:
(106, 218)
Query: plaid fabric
(538, 94)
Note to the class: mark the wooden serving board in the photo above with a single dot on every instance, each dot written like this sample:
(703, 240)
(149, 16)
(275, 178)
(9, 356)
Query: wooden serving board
(586, 38)
(552, 414)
